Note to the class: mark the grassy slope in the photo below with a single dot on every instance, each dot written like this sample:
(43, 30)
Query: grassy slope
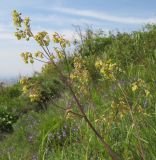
(48, 135)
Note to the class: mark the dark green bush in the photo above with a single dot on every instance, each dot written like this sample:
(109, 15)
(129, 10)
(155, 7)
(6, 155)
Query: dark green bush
(6, 121)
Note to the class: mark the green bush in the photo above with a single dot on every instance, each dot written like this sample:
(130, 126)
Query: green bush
(6, 121)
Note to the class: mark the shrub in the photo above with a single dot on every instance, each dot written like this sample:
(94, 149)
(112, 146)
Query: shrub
(6, 121)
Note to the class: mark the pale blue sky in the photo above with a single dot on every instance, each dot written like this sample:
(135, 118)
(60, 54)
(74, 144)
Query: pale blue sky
(60, 15)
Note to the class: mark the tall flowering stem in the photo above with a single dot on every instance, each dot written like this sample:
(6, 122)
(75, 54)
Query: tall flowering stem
(43, 39)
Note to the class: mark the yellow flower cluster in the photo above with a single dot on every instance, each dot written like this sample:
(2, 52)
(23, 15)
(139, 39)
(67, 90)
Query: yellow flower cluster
(23, 81)
(69, 114)
(26, 22)
(134, 87)
(60, 53)
(27, 57)
(20, 23)
(81, 75)
(30, 89)
(42, 38)
(17, 18)
(60, 40)
(140, 85)
(34, 96)
(30, 57)
(107, 68)
(39, 54)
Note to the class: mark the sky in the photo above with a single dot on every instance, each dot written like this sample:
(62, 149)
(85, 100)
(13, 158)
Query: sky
(62, 16)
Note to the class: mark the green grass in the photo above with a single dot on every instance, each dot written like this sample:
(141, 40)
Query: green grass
(32, 137)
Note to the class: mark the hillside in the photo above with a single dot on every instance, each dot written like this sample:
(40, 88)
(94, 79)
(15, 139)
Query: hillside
(113, 77)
